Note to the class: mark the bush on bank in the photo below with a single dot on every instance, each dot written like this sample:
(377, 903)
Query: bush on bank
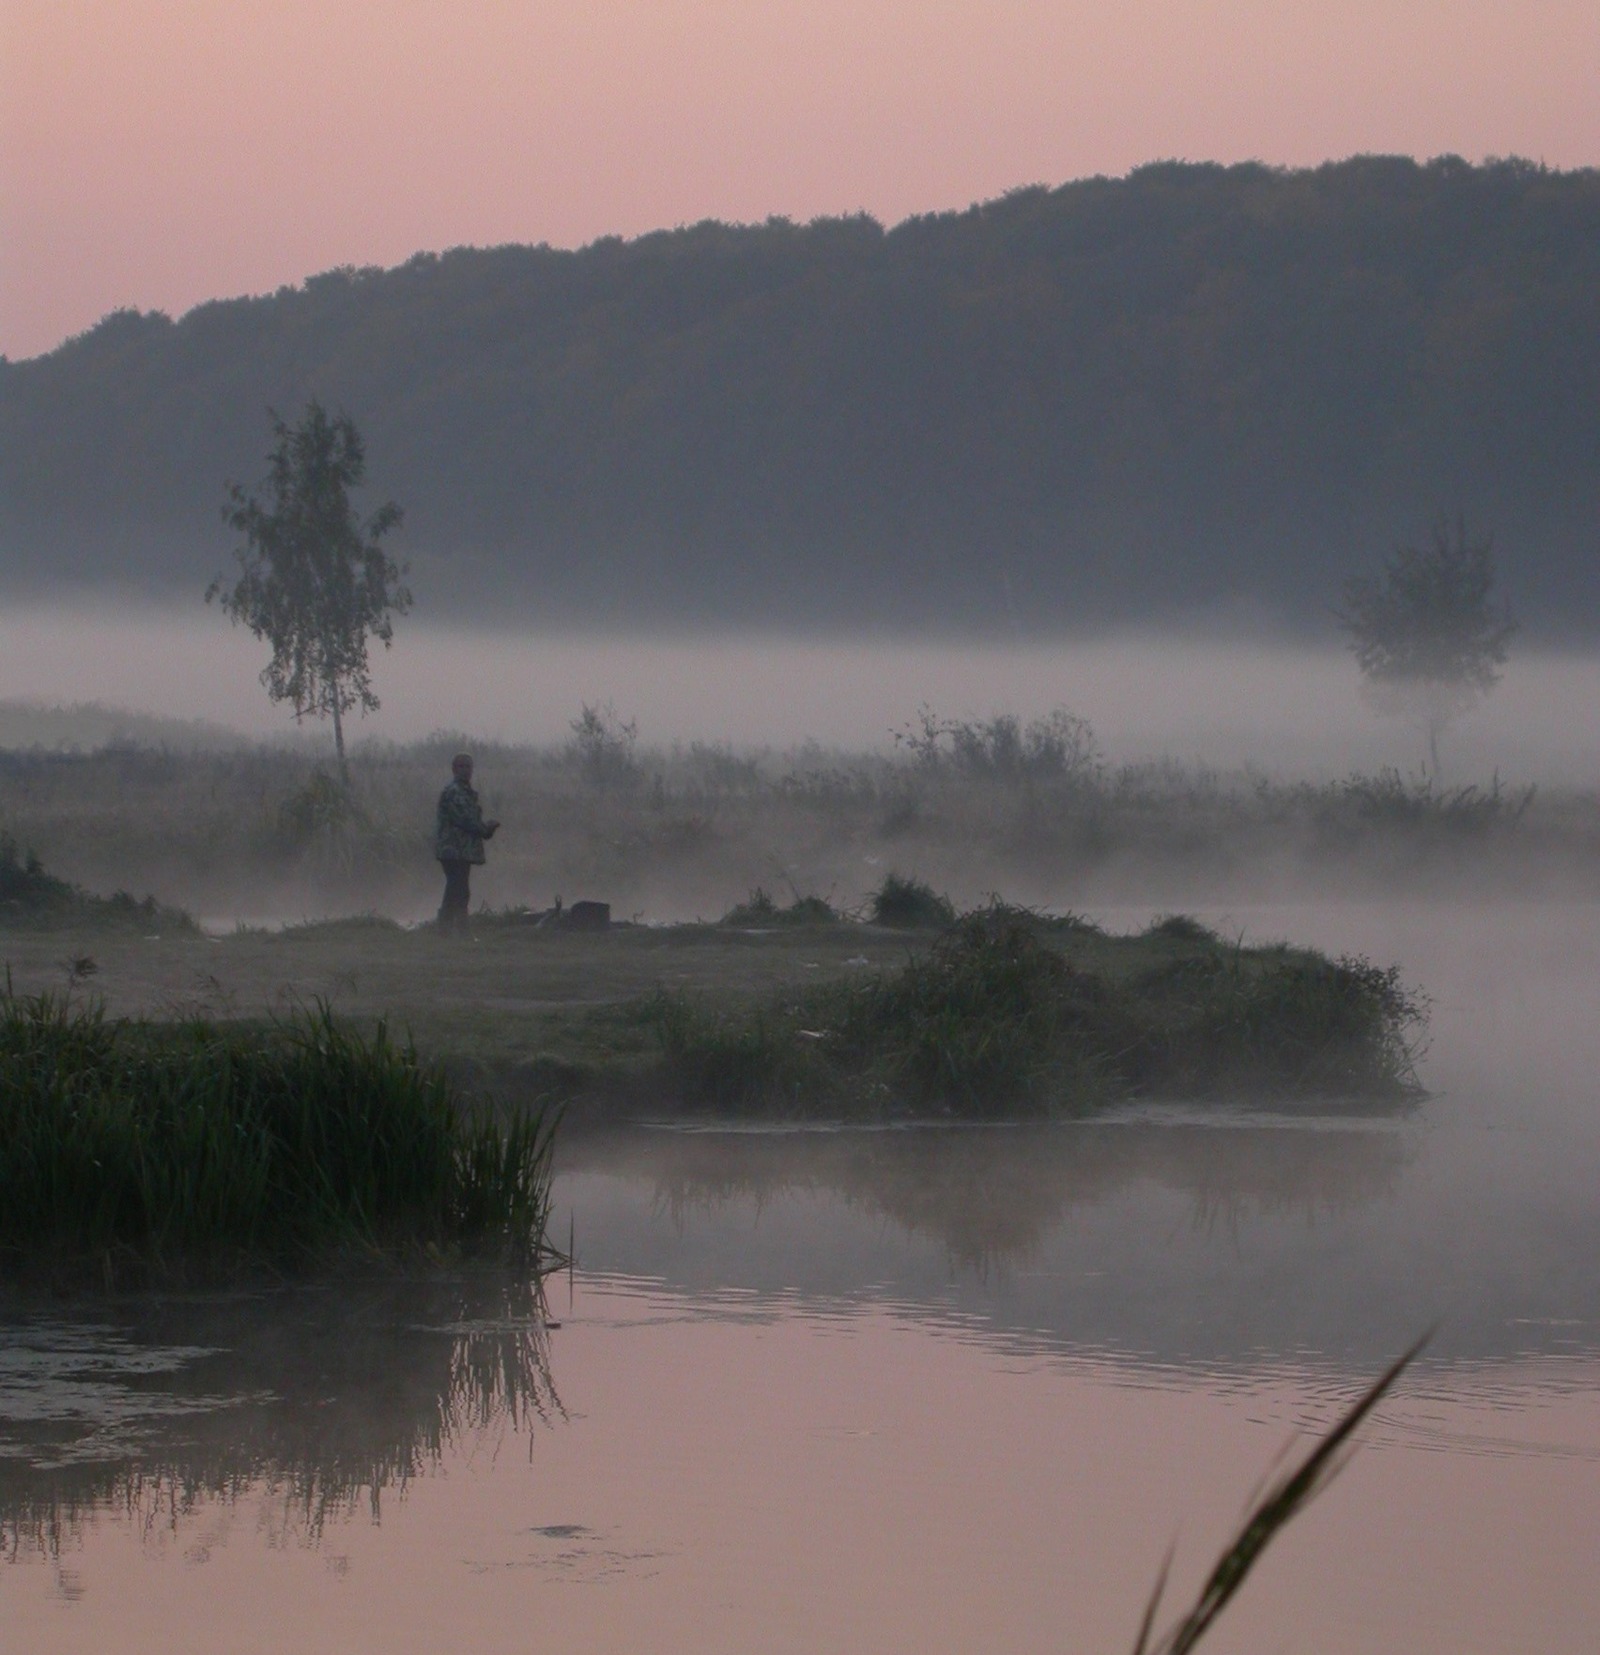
(997, 1020)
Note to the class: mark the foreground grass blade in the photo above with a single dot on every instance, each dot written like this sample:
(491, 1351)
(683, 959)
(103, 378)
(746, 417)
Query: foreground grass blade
(1283, 1502)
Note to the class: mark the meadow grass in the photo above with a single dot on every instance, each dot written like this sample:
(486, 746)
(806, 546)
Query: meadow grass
(963, 809)
(1006, 1013)
(165, 1144)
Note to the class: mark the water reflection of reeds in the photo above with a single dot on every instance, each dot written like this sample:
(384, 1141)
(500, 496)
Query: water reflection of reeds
(991, 1196)
(317, 1402)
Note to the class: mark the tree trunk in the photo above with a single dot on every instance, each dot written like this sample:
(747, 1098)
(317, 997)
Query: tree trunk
(338, 746)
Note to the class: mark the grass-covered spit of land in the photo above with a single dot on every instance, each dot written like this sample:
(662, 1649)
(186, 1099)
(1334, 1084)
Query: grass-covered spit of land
(128, 1143)
(1009, 1014)
(902, 1010)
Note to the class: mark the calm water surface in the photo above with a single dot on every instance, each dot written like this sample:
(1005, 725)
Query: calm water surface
(920, 1390)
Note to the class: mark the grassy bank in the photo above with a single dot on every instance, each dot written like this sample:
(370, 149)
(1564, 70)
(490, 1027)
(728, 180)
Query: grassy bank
(129, 1143)
(32, 897)
(1010, 1014)
(901, 1009)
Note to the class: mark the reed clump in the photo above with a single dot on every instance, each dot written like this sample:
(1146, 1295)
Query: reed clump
(194, 1144)
(1010, 1014)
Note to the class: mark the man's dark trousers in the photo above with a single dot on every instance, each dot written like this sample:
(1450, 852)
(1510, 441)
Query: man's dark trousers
(453, 910)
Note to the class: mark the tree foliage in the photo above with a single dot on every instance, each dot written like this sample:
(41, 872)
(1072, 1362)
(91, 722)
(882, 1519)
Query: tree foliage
(1056, 409)
(1427, 632)
(315, 581)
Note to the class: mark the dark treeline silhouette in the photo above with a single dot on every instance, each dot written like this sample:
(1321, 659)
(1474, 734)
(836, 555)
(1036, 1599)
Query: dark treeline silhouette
(1199, 386)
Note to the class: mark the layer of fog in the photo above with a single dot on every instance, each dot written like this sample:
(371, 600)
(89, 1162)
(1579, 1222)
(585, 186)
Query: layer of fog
(1281, 708)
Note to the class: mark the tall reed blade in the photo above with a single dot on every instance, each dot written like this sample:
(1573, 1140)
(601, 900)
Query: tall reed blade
(1284, 1501)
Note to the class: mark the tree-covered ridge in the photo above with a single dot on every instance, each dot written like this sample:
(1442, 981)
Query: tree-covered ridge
(1197, 384)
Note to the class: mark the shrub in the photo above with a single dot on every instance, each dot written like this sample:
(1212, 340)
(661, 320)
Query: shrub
(602, 748)
(1180, 928)
(1388, 801)
(1058, 748)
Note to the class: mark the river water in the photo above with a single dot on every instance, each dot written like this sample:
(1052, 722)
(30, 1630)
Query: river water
(922, 1389)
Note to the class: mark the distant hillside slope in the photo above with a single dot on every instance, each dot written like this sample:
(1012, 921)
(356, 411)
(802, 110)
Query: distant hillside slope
(91, 727)
(1119, 399)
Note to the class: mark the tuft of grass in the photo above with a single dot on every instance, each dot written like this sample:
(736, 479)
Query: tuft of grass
(345, 925)
(906, 903)
(759, 910)
(166, 1143)
(1180, 928)
(996, 1019)
(730, 1060)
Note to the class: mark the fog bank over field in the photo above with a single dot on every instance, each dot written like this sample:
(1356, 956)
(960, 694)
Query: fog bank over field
(1287, 709)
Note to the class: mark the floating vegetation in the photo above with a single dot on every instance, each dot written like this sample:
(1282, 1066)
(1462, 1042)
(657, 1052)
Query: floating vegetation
(126, 1142)
(999, 1018)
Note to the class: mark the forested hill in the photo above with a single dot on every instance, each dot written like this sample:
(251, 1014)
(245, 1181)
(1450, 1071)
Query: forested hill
(1196, 386)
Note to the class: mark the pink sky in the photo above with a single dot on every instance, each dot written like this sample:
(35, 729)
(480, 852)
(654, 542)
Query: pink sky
(161, 152)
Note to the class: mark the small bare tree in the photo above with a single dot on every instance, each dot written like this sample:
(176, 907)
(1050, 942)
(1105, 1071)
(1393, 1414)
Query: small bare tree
(1427, 632)
(315, 583)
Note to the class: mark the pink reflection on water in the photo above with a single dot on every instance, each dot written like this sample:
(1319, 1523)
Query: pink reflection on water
(741, 1474)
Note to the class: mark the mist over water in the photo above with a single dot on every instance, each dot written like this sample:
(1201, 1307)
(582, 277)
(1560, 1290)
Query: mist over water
(1280, 707)
(919, 1389)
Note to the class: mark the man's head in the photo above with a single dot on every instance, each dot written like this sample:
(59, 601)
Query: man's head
(461, 767)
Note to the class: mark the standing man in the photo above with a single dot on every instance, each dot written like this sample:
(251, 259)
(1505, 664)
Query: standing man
(458, 840)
